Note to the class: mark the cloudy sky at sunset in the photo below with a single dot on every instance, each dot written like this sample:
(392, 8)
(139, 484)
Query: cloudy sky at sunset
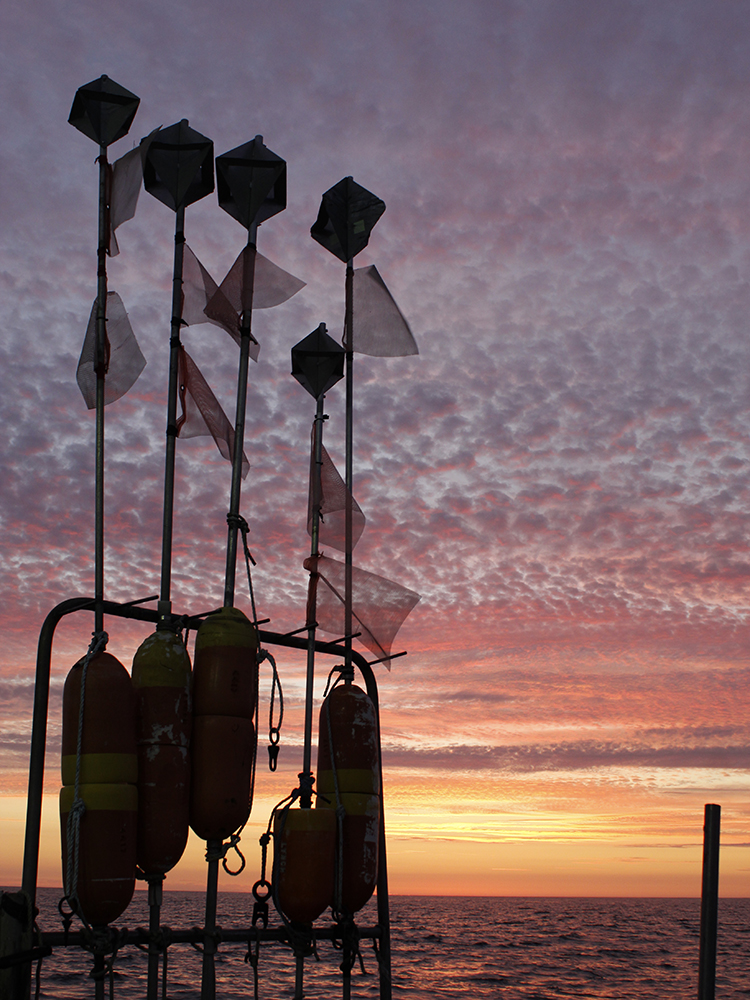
(563, 473)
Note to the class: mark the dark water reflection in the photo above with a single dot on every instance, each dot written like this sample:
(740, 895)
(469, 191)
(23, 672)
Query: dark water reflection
(447, 948)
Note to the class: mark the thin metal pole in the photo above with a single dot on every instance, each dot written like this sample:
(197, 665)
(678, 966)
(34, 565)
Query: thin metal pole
(154, 922)
(316, 488)
(39, 741)
(299, 967)
(208, 979)
(98, 976)
(709, 903)
(100, 368)
(349, 347)
(239, 424)
(165, 603)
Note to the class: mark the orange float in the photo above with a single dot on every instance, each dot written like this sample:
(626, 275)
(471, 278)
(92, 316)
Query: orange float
(106, 848)
(162, 682)
(225, 692)
(304, 861)
(349, 775)
(107, 786)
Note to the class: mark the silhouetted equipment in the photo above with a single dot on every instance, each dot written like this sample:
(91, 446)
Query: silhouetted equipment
(318, 362)
(178, 167)
(347, 216)
(251, 182)
(103, 110)
(709, 903)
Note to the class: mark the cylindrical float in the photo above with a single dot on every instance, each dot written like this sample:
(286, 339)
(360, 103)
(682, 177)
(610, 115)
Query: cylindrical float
(107, 786)
(304, 858)
(225, 691)
(162, 682)
(106, 848)
(349, 775)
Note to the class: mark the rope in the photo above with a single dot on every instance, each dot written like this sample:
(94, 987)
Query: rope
(97, 645)
(220, 854)
(274, 731)
(237, 521)
(101, 942)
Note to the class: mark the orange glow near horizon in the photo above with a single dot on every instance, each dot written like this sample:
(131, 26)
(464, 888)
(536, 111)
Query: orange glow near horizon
(434, 851)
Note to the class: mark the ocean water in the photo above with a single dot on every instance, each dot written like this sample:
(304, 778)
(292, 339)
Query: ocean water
(446, 948)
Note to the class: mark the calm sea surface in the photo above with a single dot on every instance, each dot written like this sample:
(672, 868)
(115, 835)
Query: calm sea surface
(448, 948)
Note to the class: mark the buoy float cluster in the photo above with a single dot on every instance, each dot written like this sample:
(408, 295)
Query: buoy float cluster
(328, 856)
(171, 748)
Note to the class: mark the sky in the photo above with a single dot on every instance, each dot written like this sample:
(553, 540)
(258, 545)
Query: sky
(562, 474)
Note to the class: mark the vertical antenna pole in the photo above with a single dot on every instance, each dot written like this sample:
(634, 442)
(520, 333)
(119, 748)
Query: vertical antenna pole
(100, 367)
(317, 462)
(349, 346)
(165, 603)
(709, 903)
(239, 424)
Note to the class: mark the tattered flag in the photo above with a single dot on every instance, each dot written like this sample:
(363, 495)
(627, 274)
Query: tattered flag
(206, 302)
(380, 329)
(126, 182)
(332, 499)
(199, 290)
(271, 286)
(123, 359)
(379, 606)
(201, 411)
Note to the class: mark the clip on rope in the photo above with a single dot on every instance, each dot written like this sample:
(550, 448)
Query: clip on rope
(274, 731)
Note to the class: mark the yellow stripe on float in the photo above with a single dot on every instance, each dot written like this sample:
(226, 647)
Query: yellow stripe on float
(350, 779)
(123, 798)
(101, 768)
(354, 803)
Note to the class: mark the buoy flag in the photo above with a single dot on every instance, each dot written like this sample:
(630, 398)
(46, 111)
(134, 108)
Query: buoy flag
(206, 302)
(124, 361)
(201, 411)
(380, 329)
(125, 185)
(333, 499)
(379, 606)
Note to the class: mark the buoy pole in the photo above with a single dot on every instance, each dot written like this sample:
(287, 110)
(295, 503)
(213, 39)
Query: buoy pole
(299, 987)
(100, 368)
(165, 602)
(349, 347)
(154, 927)
(99, 973)
(315, 486)
(208, 976)
(239, 423)
(709, 903)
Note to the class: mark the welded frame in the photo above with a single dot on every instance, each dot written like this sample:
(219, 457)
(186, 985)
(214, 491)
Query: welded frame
(380, 932)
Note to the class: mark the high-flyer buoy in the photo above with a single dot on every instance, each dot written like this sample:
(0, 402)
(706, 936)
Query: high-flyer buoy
(162, 680)
(104, 856)
(225, 690)
(349, 775)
